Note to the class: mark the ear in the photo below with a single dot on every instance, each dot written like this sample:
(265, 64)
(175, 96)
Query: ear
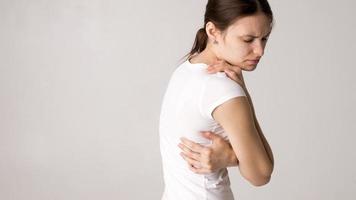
(212, 32)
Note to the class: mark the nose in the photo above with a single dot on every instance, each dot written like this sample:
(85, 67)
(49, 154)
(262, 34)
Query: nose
(259, 49)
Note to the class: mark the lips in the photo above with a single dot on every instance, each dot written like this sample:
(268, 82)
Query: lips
(253, 61)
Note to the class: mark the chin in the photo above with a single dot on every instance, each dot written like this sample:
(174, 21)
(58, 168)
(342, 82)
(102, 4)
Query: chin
(249, 67)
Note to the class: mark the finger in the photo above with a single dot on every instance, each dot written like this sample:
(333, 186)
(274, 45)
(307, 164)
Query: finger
(236, 69)
(216, 61)
(234, 78)
(189, 152)
(217, 66)
(199, 170)
(195, 166)
(190, 161)
(211, 69)
(210, 135)
(192, 145)
(201, 160)
(232, 75)
(220, 67)
(192, 168)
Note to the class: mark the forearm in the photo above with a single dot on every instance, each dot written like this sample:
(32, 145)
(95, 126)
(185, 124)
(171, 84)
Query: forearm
(259, 130)
(265, 143)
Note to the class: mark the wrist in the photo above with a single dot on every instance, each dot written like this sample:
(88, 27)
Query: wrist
(245, 90)
(233, 161)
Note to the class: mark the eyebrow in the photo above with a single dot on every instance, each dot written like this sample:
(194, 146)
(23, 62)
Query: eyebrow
(253, 36)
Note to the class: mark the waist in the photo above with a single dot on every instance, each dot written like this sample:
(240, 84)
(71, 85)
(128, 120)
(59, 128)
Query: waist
(178, 173)
(185, 185)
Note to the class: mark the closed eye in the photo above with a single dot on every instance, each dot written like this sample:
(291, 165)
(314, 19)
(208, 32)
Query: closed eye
(248, 41)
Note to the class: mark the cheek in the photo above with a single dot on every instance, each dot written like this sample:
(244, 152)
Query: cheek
(242, 51)
(237, 53)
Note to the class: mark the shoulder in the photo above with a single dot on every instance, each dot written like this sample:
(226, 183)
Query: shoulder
(221, 81)
(218, 88)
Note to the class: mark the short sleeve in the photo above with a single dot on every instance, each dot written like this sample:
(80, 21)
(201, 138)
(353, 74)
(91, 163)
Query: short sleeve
(216, 90)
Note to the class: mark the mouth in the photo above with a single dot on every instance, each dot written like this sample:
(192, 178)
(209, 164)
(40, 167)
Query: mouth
(253, 61)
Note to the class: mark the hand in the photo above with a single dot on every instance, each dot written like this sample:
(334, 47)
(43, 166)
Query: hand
(206, 159)
(232, 71)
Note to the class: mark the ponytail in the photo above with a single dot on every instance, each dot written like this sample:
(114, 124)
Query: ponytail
(200, 42)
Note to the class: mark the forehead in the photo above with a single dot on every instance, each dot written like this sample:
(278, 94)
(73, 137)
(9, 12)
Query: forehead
(258, 25)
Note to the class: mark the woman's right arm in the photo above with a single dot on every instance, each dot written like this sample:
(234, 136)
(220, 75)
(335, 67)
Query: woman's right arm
(237, 118)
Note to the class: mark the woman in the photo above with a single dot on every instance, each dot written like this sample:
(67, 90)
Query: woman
(217, 104)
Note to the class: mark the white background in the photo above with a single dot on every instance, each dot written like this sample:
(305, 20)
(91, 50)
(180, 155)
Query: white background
(81, 84)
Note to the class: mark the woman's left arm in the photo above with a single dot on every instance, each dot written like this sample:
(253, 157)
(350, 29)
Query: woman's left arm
(235, 73)
(264, 141)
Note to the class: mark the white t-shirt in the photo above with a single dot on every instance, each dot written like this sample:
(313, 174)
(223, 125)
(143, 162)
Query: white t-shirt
(191, 96)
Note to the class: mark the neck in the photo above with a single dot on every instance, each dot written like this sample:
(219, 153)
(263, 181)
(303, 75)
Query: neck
(207, 56)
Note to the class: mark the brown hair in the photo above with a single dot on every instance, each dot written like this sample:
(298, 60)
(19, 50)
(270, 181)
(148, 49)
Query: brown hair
(223, 13)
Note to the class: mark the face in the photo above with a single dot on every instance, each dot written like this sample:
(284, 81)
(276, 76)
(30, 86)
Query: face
(243, 41)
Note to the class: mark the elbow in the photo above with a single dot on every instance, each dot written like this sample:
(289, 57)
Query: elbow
(257, 175)
(260, 181)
